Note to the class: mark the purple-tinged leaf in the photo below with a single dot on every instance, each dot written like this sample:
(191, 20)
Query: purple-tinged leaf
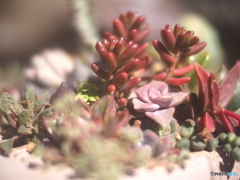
(203, 92)
(228, 85)
(178, 98)
(101, 73)
(61, 92)
(104, 108)
(183, 70)
(138, 22)
(162, 117)
(143, 92)
(162, 101)
(119, 29)
(144, 107)
(178, 81)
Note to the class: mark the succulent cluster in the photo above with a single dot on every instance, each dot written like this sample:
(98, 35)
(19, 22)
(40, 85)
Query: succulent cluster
(123, 56)
(102, 135)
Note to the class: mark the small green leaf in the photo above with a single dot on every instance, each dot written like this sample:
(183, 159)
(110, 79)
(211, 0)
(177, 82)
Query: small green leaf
(7, 145)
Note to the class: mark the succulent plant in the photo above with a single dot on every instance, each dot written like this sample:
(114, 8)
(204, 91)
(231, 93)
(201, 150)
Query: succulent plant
(26, 116)
(122, 55)
(178, 44)
(156, 100)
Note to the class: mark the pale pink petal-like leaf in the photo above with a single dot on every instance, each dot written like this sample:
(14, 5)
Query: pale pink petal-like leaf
(144, 107)
(178, 98)
(162, 117)
(163, 101)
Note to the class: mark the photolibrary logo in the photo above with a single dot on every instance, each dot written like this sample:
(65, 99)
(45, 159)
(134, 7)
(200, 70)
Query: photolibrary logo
(223, 173)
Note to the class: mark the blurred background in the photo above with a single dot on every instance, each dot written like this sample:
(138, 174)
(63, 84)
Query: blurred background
(43, 43)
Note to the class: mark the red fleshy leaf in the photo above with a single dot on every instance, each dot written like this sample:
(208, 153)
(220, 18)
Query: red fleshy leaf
(142, 64)
(128, 53)
(203, 92)
(192, 41)
(130, 66)
(138, 36)
(194, 49)
(119, 46)
(159, 77)
(208, 122)
(178, 81)
(131, 84)
(120, 79)
(111, 89)
(110, 62)
(181, 40)
(214, 93)
(119, 29)
(183, 70)
(169, 40)
(178, 30)
(140, 51)
(101, 73)
(101, 49)
(138, 22)
(122, 102)
(228, 85)
(163, 52)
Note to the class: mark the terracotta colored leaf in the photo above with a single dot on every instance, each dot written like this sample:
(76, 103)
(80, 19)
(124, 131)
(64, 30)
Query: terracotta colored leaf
(208, 122)
(203, 92)
(228, 85)
(178, 81)
(111, 88)
(183, 70)
(101, 73)
(122, 102)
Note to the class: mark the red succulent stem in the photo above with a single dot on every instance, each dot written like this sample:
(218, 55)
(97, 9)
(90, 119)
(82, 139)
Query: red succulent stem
(172, 67)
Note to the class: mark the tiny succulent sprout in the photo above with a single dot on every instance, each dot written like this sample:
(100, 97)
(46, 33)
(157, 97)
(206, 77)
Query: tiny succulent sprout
(156, 100)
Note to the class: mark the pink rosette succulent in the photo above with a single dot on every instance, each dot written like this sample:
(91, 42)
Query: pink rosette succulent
(157, 101)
